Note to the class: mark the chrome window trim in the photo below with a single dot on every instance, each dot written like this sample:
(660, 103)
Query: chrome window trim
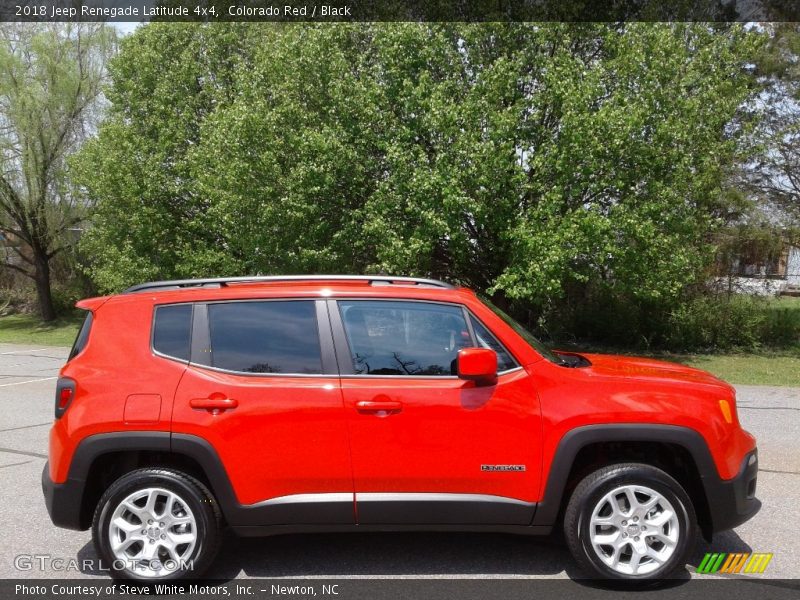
(247, 374)
(436, 377)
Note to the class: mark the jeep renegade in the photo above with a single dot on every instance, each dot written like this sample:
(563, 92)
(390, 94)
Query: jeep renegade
(374, 403)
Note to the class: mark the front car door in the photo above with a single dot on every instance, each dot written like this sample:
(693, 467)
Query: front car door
(428, 447)
(263, 388)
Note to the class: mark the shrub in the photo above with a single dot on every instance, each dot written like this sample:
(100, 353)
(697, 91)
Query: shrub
(718, 323)
(701, 322)
(17, 298)
(782, 324)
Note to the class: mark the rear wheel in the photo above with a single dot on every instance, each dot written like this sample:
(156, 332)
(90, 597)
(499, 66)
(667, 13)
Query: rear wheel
(631, 522)
(157, 524)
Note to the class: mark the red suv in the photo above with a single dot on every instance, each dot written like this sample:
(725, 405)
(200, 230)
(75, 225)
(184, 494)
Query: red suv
(348, 403)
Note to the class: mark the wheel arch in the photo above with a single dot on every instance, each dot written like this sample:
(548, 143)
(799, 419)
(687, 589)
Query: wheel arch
(680, 451)
(100, 459)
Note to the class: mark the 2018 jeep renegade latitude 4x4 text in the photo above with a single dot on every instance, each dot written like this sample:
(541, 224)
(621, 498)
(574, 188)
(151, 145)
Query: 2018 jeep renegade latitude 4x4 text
(346, 403)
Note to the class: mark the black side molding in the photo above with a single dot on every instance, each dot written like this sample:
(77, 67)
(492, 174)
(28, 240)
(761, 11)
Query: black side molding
(442, 509)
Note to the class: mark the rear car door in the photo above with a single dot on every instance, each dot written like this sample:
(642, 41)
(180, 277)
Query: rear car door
(262, 388)
(428, 447)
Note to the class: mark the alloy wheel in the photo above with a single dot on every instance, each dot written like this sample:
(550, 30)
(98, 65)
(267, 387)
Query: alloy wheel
(152, 532)
(634, 530)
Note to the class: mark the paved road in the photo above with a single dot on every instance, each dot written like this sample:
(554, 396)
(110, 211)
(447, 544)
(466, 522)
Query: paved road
(27, 375)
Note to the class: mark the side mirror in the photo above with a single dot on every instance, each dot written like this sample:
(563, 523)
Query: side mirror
(478, 365)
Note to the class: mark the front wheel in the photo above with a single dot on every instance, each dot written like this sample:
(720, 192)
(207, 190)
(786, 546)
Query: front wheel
(155, 525)
(630, 522)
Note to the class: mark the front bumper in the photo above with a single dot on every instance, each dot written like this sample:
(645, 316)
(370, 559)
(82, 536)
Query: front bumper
(732, 502)
(63, 501)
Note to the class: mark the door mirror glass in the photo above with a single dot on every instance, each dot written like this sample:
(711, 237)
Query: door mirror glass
(478, 365)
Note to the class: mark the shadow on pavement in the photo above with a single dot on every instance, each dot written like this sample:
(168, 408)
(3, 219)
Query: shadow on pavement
(379, 554)
(390, 554)
(407, 554)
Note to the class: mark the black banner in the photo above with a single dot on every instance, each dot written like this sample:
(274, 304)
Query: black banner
(402, 589)
(400, 10)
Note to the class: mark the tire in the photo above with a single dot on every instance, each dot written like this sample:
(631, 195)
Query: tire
(651, 533)
(157, 525)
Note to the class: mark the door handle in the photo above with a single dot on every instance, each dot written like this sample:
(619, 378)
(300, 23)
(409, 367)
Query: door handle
(381, 407)
(213, 405)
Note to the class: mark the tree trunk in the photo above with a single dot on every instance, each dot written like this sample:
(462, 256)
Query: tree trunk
(43, 293)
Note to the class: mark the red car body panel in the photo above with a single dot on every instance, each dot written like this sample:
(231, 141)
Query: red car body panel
(444, 431)
(287, 435)
(311, 437)
(119, 345)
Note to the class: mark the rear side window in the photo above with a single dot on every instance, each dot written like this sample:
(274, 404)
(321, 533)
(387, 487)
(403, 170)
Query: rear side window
(83, 336)
(172, 331)
(265, 337)
(487, 340)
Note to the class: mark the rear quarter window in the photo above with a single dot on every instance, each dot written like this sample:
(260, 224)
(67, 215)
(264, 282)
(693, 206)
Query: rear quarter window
(83, 336)
(172, 331)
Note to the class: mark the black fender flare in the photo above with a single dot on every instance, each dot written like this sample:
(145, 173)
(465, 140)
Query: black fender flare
(726, 503)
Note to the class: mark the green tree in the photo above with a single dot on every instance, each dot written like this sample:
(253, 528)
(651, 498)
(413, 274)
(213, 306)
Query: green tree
(151, 220)
(772, 176)
(536, 160)
(50, 87)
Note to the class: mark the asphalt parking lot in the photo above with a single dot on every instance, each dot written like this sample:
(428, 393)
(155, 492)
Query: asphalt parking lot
(27, 378)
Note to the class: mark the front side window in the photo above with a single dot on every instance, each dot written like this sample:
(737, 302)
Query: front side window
(265, 337)
(172, 330)
(404, 338)
(524, 333)
(486, 340)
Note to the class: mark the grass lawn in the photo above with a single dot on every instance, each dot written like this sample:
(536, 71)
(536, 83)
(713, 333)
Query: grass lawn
(746, 368)
(792, 302)
(29, 329)
(753, 369)
(763, 368)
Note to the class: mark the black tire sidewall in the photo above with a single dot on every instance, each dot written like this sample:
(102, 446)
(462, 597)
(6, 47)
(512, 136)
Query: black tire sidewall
(647, 477)
(199, 500)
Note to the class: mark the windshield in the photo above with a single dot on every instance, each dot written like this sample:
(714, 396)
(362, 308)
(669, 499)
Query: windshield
(526, 335)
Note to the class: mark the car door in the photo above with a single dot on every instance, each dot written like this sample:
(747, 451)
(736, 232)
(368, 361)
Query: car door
(263, 389)
(428, 447)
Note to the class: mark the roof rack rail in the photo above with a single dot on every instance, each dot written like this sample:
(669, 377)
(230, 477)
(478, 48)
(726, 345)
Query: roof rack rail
(223, 281)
